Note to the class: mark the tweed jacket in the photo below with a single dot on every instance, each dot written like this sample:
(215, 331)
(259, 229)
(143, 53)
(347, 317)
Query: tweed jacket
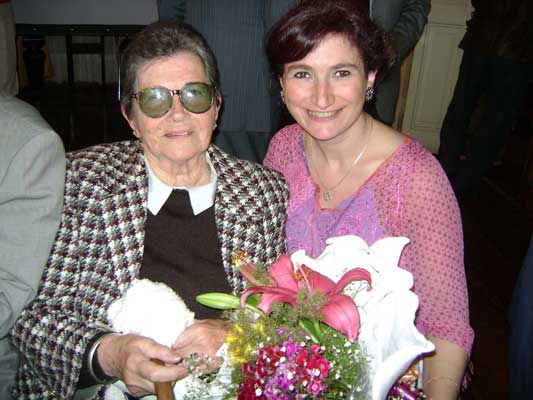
(99, 249)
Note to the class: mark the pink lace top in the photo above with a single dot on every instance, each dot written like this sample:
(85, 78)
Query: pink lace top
(408, 195)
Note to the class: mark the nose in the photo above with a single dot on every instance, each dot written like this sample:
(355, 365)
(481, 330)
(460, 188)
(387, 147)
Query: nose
(323, 95)
(176, 109)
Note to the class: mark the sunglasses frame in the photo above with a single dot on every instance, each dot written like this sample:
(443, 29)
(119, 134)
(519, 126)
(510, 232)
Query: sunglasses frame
(178, 92)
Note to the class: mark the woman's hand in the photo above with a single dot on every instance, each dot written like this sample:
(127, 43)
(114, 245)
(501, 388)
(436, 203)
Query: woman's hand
(444, 370)
(130, 358)
(204, 338)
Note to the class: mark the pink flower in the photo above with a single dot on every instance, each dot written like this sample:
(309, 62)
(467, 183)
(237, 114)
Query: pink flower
(316, 386)
(340, 312)
(290, 348)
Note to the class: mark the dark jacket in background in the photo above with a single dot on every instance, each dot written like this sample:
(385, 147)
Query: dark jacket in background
(520, 356)
(501, 28)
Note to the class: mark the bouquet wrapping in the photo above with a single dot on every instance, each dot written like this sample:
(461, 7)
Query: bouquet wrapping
(338, 326)
(346, 317)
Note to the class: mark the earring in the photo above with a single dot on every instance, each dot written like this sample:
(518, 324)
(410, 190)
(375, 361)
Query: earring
(369, 93)
(215, 126)
(282, 94)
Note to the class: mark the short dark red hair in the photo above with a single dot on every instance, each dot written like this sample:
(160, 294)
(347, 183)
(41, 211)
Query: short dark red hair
(304, 26)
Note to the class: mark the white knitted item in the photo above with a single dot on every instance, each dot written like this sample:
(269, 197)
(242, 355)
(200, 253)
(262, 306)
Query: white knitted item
(149, 309)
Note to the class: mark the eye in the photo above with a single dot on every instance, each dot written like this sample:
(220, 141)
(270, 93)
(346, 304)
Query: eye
(301, 75)
(342, 73)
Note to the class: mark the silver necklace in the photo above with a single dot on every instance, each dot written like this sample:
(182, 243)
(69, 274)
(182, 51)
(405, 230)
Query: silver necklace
(327, 193)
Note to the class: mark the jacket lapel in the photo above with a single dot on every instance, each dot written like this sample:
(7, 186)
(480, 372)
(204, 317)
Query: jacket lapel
(237, 223)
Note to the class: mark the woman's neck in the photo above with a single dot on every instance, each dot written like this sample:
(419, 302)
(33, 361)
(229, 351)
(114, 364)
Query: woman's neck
(341, 149)
(188, 174)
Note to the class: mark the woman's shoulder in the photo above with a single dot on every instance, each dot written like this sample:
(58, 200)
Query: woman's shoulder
(401, 149)
(105, 163)
(424, 161)
(283, 148)
(422, 171)
(105, 153)
(242, 171)
(289, 135)
(407, 163)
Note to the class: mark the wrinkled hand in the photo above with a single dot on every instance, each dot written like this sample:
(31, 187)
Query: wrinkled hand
(203, 338)
(129, 358)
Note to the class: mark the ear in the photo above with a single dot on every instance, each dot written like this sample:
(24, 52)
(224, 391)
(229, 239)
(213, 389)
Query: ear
(131, 121)
(218, 104)
(281, 83)
(371, 78)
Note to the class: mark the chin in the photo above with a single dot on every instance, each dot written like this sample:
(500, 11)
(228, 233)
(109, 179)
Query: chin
(323, 134)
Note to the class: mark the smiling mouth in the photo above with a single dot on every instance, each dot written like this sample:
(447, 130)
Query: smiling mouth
(322, 114)
(179, 134)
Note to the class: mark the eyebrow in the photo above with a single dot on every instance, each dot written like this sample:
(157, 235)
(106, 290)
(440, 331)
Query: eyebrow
(336, 66)
(298, 66)
(345, 65)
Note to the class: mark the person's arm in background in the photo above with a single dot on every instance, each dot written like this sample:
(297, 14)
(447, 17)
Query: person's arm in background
(409, 27)
(32, 175)
(32, 181)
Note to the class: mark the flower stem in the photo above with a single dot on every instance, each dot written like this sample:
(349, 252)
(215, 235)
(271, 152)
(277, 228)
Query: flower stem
(312, 335)
(254, 309)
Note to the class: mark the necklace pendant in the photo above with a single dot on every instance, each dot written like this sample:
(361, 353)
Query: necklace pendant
(327, 196)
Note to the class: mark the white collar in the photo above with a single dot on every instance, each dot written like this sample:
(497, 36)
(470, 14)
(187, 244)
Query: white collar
(202, 197)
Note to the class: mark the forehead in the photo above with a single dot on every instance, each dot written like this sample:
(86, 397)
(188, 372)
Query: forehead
(333, 49)
(172, 72)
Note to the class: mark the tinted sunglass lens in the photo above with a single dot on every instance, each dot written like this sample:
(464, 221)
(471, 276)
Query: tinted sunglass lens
(155, 102)
(197, 97)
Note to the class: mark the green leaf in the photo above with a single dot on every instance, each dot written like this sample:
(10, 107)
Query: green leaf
(253, 300)
(311, 328)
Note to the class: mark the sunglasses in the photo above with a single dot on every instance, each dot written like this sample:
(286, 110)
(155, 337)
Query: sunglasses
(196, 97)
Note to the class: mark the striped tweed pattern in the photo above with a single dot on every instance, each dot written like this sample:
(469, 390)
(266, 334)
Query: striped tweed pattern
(99, 246)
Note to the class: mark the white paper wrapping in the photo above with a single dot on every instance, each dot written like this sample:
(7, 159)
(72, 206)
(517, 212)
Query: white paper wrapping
(387, 332)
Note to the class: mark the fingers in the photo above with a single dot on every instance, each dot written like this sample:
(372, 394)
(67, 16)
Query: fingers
(203, 337)
(198, 364)
(131, 359)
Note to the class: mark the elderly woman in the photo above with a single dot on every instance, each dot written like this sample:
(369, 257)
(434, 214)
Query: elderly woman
(350, 174)
(169, 207)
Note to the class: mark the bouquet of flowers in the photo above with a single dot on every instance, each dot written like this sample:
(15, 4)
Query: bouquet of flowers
(339, 326)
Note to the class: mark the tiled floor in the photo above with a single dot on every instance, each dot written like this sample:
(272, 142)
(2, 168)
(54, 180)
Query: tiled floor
(496, 225)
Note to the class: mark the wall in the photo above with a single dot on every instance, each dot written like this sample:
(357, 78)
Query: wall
(436, 62)
(99, 12)
(83, 12)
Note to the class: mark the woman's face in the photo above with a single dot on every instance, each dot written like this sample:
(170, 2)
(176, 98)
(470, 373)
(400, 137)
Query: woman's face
(179, 137)
(325, 91)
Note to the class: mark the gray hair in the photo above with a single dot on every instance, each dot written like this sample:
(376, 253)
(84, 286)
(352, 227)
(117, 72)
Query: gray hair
(161, 40)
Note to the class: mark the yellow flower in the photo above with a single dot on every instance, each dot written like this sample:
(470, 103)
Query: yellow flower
(259, 327)
(239, 257)
(236, 343)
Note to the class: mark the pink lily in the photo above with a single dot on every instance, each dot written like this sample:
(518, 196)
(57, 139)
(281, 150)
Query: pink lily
(340, 312)
(246, 268)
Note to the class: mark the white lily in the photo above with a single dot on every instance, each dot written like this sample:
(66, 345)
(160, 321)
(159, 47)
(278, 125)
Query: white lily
(387, 332)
